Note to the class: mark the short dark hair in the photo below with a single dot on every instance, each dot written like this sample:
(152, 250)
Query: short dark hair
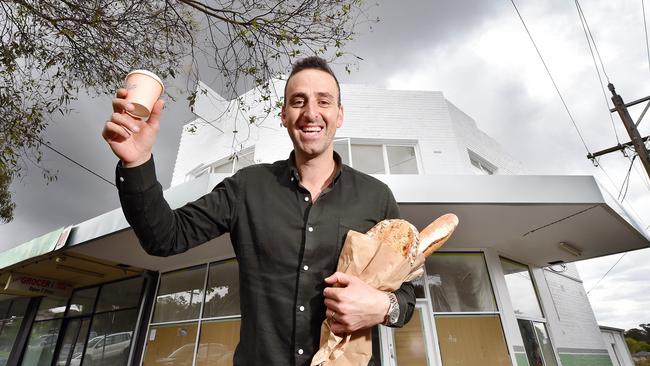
(311, 62)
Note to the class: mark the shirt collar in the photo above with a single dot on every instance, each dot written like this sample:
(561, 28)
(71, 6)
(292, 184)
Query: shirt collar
(293, 170)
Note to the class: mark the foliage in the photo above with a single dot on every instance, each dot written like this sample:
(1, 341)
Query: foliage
(640, 334)
(53, 49)
(636, 346)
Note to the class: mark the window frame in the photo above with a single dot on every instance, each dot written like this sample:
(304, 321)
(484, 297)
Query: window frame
(531, 319)
(232, 159)
(383, 143)
(199, 320)
(482, 164)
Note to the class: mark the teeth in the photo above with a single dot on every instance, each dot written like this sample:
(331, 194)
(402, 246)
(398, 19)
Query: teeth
(311, 129)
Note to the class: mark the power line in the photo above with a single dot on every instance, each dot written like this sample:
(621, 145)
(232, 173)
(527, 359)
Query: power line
(582, 15)
(606, 273)
(585, 28)
(551, 77)
(645, 28)
(626, 181)
(73, 161)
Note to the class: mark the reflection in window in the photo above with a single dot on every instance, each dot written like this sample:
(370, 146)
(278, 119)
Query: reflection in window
(120, 295)
(41, 343)
(111, 338)
(11, 317)
(172, 336)
(459, 282)
(180, 295)
(222, 294)
(537, 343)
(82, 301)
(521, 289)
(73, 341)
(217, 343)
(51, 307)
(171, 344)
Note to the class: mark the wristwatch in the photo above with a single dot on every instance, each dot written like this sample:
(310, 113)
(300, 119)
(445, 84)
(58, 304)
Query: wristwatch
(393, 310)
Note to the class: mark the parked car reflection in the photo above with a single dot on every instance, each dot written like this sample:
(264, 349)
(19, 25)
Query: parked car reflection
(111, 349)
(214, 354)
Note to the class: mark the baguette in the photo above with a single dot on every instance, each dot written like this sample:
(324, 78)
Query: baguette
(399, 234)
(437, 233)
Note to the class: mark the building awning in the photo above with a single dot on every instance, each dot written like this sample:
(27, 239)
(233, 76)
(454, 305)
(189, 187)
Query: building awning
(524, 218)
(43, 266)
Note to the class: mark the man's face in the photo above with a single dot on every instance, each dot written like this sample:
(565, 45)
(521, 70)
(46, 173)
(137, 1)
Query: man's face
(311, 112)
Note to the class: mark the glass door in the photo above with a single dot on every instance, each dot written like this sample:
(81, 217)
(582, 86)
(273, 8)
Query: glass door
(74, 339)
(411, 345)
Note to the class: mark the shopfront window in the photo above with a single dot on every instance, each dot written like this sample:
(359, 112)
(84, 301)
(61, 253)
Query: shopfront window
(525, 302)
(472, 340)
(465, 314)
(459, 282)
(519, 283)
(196, 317)
(105, 329)
(120, 295)
(82, 301)
(112, 335)
(41, 343)
(180, 295)
(410, 345)
(11, 317)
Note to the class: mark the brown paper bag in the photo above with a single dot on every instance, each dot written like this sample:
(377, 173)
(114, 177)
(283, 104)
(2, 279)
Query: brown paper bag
(381, 267)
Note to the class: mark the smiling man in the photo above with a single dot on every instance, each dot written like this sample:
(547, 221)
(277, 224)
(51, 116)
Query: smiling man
(287, 222)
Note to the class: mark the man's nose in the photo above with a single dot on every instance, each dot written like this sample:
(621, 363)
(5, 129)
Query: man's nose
(311, 110)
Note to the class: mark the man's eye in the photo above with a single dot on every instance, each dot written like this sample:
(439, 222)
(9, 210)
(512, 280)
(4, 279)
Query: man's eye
(298, 103)
(324, 102)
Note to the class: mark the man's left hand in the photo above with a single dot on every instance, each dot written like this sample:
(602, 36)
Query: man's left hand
(352, 304)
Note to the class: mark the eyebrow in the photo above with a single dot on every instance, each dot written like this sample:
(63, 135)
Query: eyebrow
(304, 95)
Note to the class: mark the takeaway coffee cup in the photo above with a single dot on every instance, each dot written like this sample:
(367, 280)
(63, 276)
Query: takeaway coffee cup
(144, 88)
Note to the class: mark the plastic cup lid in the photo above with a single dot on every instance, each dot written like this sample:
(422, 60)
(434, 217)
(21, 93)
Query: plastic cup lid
(150, 74)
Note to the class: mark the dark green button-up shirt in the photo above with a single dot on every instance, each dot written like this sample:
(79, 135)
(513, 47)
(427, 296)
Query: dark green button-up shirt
(285, 245)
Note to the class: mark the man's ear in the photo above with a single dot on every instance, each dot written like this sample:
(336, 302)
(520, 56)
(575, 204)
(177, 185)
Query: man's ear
(283, 117)
(339, 120)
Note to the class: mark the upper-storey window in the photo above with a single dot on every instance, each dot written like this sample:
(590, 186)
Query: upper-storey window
(228, 165)
(378, 157)
(480, 165)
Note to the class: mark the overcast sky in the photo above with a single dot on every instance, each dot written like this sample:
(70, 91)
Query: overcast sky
(479, 55)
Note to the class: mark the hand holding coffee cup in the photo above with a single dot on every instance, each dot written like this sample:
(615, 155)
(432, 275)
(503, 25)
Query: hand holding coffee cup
(128, 133)
(144, 88)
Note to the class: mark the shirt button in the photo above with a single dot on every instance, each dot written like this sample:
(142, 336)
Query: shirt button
(301, 308)
(306, 199)
(305, 267)
(121, 179)
(310, 229)
(292, 179)
(300, 351)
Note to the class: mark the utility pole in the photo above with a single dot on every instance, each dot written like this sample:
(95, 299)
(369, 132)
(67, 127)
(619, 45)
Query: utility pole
(635, 138)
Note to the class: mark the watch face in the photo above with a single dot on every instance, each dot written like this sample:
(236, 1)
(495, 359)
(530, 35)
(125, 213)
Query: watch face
(394, 314)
